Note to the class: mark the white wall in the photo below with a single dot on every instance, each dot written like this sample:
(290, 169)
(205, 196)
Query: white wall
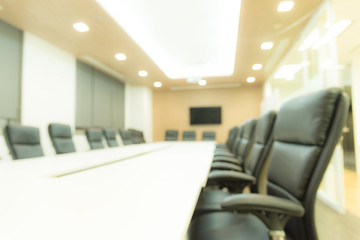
(138, 110)
(48, 87)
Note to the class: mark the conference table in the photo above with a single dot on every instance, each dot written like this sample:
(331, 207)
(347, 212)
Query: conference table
(143, 191)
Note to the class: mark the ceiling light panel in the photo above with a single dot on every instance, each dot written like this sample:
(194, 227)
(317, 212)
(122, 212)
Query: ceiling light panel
(267, 45)
(288, 71)
(187, 38)
(257, 66)
(285, 6)
(157, 84)
(250, 79)
(142, 73)
(202, 82)
(120, 56)
(340, 26)
(81, 27)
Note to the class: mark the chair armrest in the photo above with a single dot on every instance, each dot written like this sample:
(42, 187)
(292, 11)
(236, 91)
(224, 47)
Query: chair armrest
(221, 175)
(274, 212)
(258, 202)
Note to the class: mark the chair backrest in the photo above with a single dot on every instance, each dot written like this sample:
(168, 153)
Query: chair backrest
(235, 142)
(306, 131)
(136, 136)
(255, 160)
(94, 137)
(125, 137)
(61, 138)
(231, 134)
(189, 136)
(23, 141)
(110, 136)
(208, 136)
(171, 135)
(246, 140)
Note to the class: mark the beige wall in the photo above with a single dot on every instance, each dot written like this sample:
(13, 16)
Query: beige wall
(171, 109)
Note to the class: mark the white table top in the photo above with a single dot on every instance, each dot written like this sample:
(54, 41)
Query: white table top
(150, 196)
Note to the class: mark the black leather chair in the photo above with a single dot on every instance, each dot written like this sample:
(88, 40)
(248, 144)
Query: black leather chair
(94, 137)
(189, 136)
(244, 144)
(228, 182)
(171, 135)
(232, 144)
(110, 136)
(136, 136)
(306, 131)
(23, 141)
(257, 150)
(230, 139)
(208, 136)
(125, 137)
(61, 138)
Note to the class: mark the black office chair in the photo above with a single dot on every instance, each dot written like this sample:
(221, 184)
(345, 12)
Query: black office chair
(232, 144)
(110, 136)
(136, 136)
(61, 138)
(171, 135)
(306, 132)
(23, 141)
(189, 136)
(262, 140)
(208, 136)
(126, 137)
(230, 139)
(94, 137)
(243, 145)
(211, 197)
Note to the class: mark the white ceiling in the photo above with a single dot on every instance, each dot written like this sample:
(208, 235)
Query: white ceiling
(184, 38)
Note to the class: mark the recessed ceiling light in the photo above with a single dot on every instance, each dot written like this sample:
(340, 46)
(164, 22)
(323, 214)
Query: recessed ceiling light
(285, 6)
(157, 84)
(257, 66)
(81, 27)
(1, 7)
(267, 45)
(202, 82)
(120, 56)
(142, 73)
(250, 79)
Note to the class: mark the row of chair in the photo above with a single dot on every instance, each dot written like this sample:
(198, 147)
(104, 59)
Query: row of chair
(24, 141)
(282, 158)
(173, 135)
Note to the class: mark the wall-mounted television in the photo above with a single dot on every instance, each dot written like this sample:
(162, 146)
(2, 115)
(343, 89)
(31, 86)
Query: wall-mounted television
(205, 115)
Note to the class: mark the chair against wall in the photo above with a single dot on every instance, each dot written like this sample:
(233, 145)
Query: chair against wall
(61, 138)
(306, 132)
(126, 137)
(171, 135)
(208, 136)
(23, 141)
(94, 137)
(189, 136)
(110, 136)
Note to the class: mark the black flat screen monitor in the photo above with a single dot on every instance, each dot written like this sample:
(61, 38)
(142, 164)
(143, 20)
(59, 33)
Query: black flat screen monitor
(205, 115)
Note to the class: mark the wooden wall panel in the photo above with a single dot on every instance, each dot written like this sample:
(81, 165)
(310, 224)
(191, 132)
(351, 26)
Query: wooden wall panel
(171, 109)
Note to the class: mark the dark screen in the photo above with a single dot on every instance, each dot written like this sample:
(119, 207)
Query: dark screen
(205, 115)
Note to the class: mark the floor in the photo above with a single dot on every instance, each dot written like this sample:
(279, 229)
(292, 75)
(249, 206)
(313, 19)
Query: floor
(335, 226)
